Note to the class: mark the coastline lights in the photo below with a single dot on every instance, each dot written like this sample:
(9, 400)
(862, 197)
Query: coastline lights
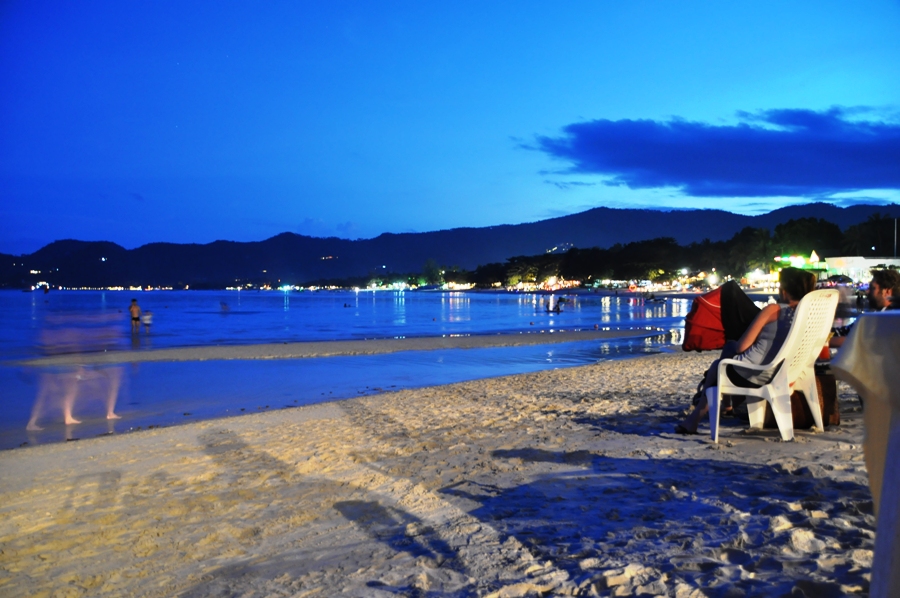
(457, 286)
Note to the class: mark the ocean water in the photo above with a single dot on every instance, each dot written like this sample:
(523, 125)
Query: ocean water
(162, 394)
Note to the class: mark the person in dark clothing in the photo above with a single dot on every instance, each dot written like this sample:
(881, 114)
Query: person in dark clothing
(758, 344)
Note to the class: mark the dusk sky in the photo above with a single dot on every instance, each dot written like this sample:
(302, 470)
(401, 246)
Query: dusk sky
(188, 122)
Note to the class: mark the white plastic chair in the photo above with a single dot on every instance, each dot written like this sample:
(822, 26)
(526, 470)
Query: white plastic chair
(813, 319)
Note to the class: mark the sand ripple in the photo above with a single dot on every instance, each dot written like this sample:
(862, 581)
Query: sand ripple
(564, 482)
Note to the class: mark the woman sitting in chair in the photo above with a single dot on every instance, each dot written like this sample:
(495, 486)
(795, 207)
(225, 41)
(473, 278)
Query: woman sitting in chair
(760, 342)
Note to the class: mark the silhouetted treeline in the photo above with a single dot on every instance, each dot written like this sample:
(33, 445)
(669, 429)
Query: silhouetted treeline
(664, 259)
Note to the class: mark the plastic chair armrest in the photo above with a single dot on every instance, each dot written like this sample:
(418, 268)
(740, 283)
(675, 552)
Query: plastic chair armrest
(724, 380)
(746, 364)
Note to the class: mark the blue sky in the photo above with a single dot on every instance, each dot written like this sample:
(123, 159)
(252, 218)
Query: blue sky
(186, 121)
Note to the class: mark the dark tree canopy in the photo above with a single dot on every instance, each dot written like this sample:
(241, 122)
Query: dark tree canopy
(803, 235)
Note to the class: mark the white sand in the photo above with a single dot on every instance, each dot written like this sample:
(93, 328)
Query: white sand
(564, 482)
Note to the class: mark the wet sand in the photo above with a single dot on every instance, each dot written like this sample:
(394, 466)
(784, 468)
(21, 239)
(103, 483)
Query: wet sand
(345, 347)
(560, 482)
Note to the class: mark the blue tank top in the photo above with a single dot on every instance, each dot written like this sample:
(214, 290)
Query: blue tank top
(766, 346)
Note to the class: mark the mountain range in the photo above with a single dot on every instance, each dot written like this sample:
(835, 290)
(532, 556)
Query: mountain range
(298, 259)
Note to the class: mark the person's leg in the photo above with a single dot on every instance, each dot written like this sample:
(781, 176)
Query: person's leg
(71, 386)
(692, 421)
(690, 424)
(728, 352)
(114, 375)
(37, 410)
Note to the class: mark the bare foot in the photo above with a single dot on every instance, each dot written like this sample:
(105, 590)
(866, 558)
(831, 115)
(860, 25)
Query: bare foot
(33, 427)
(112, 415)
(71, 420)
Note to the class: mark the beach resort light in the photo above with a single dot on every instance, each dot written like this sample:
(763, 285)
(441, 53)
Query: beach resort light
(796, 261)
(755, 276)
(713, 279)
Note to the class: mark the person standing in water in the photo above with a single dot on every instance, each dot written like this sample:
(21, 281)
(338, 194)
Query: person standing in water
(147, 320)
(135, 311)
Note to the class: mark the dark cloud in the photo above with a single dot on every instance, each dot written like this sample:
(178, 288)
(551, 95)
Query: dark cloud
(569, 184)
(770, 153)
(846, 202)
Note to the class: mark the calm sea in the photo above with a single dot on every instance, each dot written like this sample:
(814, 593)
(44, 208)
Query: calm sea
(154, 394)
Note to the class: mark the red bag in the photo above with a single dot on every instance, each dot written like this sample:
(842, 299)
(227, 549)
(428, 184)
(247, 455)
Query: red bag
(703, 329)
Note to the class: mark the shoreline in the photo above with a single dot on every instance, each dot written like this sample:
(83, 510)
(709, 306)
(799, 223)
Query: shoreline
(310, 349)
(562, 482)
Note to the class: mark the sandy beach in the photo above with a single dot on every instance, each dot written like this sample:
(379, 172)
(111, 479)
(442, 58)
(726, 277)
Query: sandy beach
(561, 482)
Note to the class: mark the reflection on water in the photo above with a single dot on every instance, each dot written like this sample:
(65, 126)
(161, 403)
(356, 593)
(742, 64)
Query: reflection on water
(184, 318)
(455, 307)
(399, 309)
(165, 394)
(169, 393)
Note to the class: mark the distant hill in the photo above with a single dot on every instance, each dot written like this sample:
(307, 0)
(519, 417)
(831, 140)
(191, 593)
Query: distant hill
(299, 259)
